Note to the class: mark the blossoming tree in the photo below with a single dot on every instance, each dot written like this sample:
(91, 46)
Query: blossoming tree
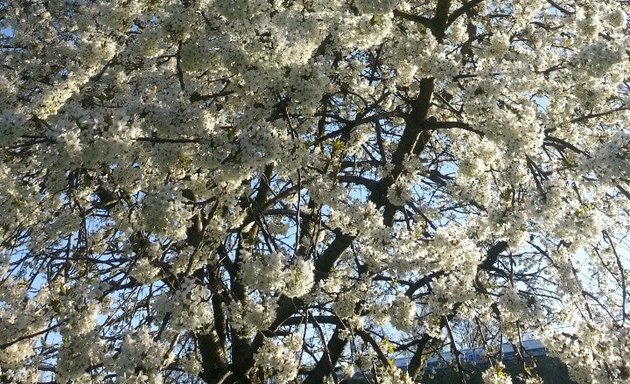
(232, 191)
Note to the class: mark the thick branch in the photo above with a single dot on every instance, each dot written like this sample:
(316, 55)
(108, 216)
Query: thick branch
(413, 140)
(213, 360)
(327, 259)
(425, 21)
(288, 307)
(327, 362)
(466, 7)
(417, 360)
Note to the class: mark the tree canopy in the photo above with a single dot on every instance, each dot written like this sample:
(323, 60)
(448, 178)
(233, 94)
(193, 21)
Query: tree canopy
(237, 191)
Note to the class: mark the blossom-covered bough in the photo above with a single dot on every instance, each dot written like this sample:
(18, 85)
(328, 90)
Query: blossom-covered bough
(231, 191)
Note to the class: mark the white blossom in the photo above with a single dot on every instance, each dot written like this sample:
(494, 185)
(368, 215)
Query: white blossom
(242, 189)
(496, 374)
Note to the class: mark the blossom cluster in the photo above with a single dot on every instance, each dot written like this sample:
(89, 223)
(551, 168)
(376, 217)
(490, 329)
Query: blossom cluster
(251, 190)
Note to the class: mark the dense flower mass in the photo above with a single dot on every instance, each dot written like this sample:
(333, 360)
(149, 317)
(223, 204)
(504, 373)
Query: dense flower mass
(237, 191)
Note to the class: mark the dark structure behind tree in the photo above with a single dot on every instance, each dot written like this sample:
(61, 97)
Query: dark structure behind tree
(550, 369)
